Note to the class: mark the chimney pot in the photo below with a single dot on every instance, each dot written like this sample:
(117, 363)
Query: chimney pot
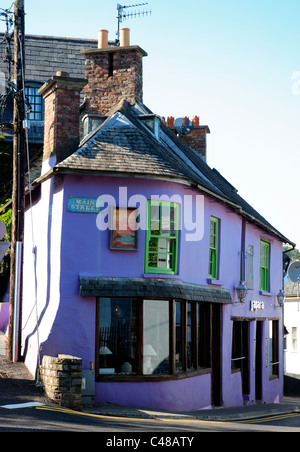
(102, 39)
(196, 121)
(170, 121)
(125, 37)
(62, 74)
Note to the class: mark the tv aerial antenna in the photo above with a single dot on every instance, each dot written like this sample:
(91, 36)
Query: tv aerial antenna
(124, 15)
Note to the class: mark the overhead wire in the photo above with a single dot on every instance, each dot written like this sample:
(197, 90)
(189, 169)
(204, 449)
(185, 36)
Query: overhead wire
(6, 40)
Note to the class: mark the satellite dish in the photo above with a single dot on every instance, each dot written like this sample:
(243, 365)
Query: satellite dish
(294, 271)
(183, 126)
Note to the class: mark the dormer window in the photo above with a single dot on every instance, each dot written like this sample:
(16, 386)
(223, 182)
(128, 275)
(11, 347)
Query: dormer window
(91, 122)
(152, 122)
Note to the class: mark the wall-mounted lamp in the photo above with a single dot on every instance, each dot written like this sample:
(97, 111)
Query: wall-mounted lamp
(241, 291)
(280, 299)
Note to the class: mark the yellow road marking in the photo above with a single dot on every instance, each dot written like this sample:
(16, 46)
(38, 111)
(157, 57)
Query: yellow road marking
(200, 421)
(100, 416)
(268, 419)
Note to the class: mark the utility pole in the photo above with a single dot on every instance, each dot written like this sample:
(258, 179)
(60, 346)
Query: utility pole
(18, 199)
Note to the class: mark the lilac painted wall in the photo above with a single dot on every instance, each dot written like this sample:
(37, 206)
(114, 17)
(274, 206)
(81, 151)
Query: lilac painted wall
(69, 244)
(177, 395)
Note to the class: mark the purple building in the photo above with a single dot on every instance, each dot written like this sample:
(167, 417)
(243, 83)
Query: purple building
(147, 263)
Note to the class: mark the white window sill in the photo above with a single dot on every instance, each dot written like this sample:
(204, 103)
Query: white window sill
(215, 282)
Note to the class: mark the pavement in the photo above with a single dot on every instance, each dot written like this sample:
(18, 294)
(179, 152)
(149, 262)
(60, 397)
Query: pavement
(17, 384)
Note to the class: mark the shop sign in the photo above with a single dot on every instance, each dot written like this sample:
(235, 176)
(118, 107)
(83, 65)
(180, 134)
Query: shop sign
(257, 305)
(84, 205)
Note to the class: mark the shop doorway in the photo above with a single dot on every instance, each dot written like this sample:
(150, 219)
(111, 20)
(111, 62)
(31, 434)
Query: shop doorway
(240, 352)
(216, 353)
(258, 360)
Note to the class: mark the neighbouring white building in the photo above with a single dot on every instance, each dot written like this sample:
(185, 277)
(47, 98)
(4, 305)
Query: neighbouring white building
(292, 325)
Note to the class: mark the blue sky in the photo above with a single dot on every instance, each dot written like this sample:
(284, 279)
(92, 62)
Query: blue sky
(235, 63)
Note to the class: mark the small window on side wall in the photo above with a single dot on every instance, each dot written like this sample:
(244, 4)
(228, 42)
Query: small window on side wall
(264, 266)
(249, 267)
(214, 248)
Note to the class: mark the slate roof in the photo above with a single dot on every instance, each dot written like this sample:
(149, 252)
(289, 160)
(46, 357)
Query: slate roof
(291, 289)
(123, 145)
(154, 288)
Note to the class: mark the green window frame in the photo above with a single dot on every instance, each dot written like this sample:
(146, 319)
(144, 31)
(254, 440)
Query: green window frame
(264, 265)
(161, 254)
(213, 248)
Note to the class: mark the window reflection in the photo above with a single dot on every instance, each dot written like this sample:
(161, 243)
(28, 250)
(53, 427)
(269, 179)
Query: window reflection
(118, 336)
(178, 337)
(156, 337)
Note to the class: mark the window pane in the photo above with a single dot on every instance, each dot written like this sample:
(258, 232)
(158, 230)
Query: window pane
(152, 260)
(36, 103)
(155, 227)
(204, 340)
(294, 339)
(165, 213)
(117, 336)
(165, 228)
(162, 260)
(163, 245)
(190, 345)
(156, 337)
(170, 261)
(178, 337)
(274, 348)
(155, 213)
(249, 262)
(153, 244)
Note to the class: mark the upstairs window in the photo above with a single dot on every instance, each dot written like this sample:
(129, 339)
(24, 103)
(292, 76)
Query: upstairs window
(213, 248)
(162, 237)
(35, 100)
(264, 266)
(249, 267)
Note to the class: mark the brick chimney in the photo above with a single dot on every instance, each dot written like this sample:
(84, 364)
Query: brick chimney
(62, 109)
(196, 139)
(113, 73)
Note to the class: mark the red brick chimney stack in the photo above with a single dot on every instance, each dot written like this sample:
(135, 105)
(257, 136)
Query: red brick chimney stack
(113, 73)
(62, 108)
(196, 139)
